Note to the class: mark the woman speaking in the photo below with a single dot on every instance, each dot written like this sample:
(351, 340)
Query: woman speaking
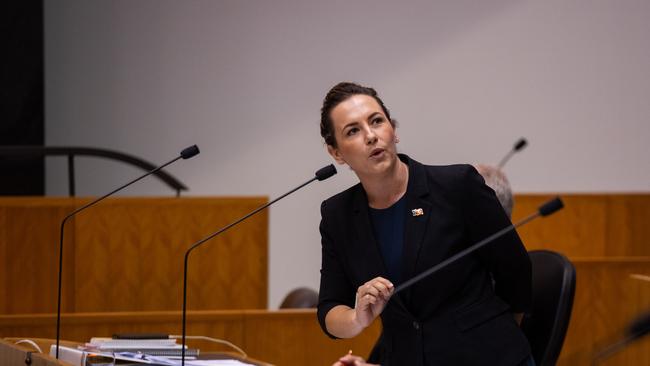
(402, 218)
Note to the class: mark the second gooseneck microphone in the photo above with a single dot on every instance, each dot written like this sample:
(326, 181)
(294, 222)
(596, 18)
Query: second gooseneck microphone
(320, 175)
(519, 145)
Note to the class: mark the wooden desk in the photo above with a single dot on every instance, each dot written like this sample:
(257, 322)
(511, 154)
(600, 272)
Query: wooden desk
(284, 337)
(15, 358)
(15, 355)
(606, 300)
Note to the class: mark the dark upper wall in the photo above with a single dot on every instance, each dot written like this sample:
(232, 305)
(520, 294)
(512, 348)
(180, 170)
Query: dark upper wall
(21, 103)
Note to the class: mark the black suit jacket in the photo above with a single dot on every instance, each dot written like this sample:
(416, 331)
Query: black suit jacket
(461, 315)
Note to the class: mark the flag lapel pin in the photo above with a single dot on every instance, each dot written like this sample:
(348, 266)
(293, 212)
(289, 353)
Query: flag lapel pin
(417, 212)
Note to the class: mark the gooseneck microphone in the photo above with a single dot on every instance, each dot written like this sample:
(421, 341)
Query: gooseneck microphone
(186, 153)
(320, 175)
(519, 145)
(546, 209)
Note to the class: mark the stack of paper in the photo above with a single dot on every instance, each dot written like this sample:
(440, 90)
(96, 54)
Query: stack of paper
(82, 357)
(153, 347)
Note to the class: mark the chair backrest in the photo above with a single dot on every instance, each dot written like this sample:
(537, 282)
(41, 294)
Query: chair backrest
(554, 283)
(300, 298)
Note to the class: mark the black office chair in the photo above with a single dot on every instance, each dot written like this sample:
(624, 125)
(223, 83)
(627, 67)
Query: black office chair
(300, 298)
(554, 285)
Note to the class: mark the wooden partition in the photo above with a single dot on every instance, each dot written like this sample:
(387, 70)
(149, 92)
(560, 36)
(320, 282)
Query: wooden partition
(126, 254)
(607, 237)
(590, 225)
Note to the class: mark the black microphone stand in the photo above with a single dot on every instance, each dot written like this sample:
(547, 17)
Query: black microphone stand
(185, 154)
(321, 174)
(519, 145)
(546, 209)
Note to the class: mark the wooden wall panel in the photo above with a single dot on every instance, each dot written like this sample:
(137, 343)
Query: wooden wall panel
(126, 254)
(577, 230)
(607, 237)
(590, 225)
(628, 225)
(29, 237)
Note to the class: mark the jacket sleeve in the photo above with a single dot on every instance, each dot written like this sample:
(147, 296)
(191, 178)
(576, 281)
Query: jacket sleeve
(506, 258)
(335, 288)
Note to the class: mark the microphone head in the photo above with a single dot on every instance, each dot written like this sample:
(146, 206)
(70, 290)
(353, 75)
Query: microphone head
(325, 172)
(520, 144)
(551, 206)
(189, 152)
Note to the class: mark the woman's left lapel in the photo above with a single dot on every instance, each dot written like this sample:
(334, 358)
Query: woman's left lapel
(419, 212)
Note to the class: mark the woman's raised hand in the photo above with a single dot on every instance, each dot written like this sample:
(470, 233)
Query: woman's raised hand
(372, 297)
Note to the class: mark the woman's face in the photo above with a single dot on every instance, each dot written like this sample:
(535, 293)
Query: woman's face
(365, 137)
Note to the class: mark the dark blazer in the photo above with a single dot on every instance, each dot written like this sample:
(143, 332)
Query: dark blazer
(461, 315)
